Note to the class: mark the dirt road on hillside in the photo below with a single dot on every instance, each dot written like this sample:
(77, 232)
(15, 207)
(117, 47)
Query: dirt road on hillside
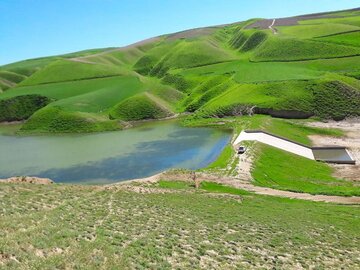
(271, 27)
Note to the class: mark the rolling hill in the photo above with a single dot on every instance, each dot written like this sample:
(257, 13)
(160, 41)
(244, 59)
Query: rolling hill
(302, 67)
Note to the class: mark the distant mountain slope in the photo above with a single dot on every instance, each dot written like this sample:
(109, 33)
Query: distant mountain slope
(287, 67)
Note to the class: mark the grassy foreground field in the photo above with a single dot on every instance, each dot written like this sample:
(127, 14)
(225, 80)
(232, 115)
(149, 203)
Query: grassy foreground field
(62, 226)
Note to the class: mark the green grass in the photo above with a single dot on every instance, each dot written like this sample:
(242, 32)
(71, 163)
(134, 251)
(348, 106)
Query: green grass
(63, 226)
(206, 186)
(281, 96)
(175, 184)
(11, 76)
(66, 70)
(336, 100)
(181, 54)
(249, 72)
(169, 95)
(223, 160)
(286, 171)
(333, 65)
(324, 98)
(348, 20)
(206, 91)
(287, 49)
(317, 30)
(219, 188)
(239, 38)
(298, 131)
(30, 66)
(105, 97)
(197, 53)
(53, 119)
(255, 40)
(138, 107)
(70, 89)
(350, 39)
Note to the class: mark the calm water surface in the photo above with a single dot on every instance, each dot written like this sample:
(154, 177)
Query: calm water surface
(112, 156)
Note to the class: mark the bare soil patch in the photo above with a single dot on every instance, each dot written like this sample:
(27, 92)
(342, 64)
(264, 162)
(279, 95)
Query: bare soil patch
(27, 180)
(237, 183)
(289, 21)
(193, 33)
(351, 140)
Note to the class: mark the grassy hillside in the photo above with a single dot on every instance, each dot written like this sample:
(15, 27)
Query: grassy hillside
(55, 120)
(327, 99)
(272, 170)
(307, 69)
(286, 49)
(65, 70)
(139, 107)
(11, 76)
(350, 39)
(30, 66)
(319, 30)
(64, 90)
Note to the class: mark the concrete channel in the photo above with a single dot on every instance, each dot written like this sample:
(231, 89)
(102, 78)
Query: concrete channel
(330, 154)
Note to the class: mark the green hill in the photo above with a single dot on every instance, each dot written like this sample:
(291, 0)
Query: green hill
(305, 65)
(139, 107)
(66, 70)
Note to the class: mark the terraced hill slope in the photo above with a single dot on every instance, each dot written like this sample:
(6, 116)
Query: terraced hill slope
(291, 67)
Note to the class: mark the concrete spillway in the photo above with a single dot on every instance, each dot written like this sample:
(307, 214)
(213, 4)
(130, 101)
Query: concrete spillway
(327, 154)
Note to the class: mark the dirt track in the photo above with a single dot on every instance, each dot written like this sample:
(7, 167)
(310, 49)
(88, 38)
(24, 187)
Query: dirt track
(234, 182)
(272, 28)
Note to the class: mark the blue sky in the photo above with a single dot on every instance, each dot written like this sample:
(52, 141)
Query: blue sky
(35, 28)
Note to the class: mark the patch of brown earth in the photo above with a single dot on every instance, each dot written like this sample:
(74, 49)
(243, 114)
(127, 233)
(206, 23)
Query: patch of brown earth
(289, 21)
(27, 180)
(245, 164)
(241, 184)
(5, 258)
(128, 47)
(351, 141)
(193, 33)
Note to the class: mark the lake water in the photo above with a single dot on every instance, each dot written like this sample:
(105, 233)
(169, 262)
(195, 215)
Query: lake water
(112, 156)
